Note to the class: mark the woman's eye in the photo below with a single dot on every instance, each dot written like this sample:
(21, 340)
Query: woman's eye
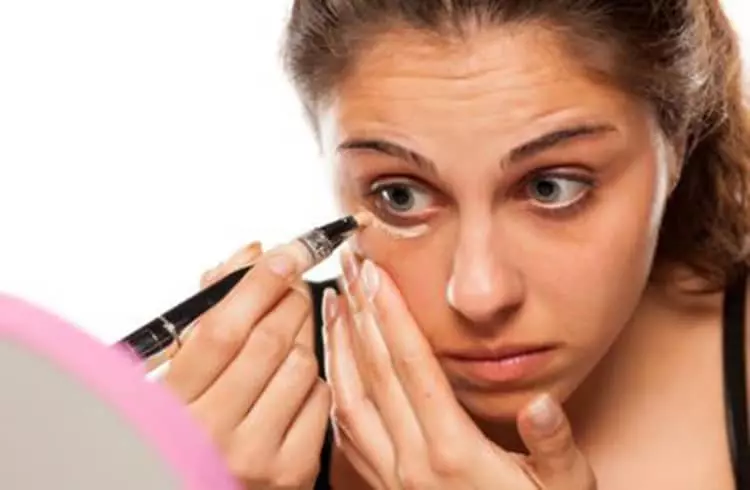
(401, 198)
(556, 192)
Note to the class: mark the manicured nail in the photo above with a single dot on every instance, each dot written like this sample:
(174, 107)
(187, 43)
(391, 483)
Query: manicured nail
(282, 265)
(545, 414)
(330, 306)
(349, 266)
(370, 279)
(254, 250)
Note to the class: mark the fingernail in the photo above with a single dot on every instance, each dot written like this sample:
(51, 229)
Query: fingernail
(281, 265)
(370, 279)
(545, 415)
(254, 249)
(349, 266)
(330, 306)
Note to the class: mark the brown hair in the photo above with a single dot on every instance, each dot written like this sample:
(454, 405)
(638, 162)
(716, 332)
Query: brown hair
(681, 55)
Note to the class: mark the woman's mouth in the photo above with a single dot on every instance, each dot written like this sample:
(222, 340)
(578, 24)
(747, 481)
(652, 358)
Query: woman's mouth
(508, 364)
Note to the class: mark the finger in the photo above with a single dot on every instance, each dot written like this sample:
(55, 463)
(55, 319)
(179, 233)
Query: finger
(416, 367)
(224, 328)
(307, 334)
(351, 266)
(357, 460)
(210, 276)
(380, 379)
(240, 258)
(275, 410)
(340, 358)
(245, 256)
(233, 393)
(303, 442)
(557, 461)
(353, 412)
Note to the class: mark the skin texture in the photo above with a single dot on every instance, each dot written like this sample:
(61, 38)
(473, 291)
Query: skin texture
(249, 375)
(496, 268)
(548, 244)
(507, 263)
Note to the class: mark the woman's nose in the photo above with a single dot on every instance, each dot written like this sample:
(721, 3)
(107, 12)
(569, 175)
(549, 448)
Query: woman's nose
(484, 287)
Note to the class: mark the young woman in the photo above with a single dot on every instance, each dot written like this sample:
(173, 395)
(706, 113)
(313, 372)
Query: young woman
(552, 292)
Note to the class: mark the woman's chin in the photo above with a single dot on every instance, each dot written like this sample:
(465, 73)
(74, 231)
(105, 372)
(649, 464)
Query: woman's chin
(495, 408)
(502, 407)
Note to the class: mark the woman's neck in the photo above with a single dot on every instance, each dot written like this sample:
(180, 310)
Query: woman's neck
(670, 325)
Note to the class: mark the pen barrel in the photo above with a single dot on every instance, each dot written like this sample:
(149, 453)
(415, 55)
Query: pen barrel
(158, 340)
(318, 244)
(154, 343)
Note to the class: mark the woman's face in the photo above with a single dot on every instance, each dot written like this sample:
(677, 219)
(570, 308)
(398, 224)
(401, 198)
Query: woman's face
(518, 200)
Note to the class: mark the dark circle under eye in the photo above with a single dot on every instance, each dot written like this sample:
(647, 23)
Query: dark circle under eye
(399, 197)
(544, 189)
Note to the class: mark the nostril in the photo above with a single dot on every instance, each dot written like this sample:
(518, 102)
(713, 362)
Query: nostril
(486, 308)
(487, 322)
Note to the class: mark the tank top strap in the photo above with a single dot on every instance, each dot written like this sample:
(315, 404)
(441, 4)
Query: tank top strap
(735, 377)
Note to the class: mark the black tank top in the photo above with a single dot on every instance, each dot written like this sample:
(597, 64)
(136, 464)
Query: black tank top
(735, 379)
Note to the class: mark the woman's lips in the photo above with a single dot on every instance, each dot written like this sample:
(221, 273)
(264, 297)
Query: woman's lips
(503, 365)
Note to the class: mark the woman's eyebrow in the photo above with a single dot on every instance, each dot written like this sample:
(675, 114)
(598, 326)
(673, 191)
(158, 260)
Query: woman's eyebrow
(523, 151)
(554, 138)
(391, 149)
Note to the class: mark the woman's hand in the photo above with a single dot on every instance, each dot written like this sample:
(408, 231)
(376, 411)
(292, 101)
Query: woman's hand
(251, 381)
(396, 417)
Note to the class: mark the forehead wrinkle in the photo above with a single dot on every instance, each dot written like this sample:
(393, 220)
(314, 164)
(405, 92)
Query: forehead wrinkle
(469, 58)
(425, 94)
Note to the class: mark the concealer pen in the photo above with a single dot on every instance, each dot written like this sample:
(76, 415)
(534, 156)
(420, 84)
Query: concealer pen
(158, 340)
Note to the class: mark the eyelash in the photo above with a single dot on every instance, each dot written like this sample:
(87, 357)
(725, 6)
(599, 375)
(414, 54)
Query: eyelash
(569, 208)
(376, 187)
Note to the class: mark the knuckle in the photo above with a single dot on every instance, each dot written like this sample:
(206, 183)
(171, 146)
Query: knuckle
(304, 359)
(299, 296)
(219, 337)
(342, 416)
(303, 365)
(561, 442)
(293, 476)
(446, 462)
(412, 478)
(210, 425)
(247, 466)
(408, 363)
(271, 343)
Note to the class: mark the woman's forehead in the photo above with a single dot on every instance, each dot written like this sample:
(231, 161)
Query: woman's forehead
(498, 81)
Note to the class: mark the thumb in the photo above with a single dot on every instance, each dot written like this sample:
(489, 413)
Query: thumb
(556, 459)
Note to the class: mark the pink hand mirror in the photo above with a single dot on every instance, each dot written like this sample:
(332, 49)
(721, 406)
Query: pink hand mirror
(77, 414)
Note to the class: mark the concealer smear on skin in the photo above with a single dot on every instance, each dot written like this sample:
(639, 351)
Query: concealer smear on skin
(369, 220)
(399, 233)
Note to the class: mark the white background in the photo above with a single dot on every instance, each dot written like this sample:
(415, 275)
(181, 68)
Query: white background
(142, 142)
